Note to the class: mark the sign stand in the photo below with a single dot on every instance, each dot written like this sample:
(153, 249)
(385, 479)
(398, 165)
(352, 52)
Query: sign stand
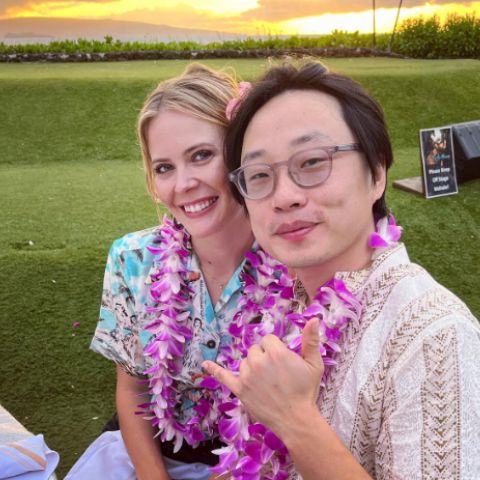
(438, 165)
(411, 184)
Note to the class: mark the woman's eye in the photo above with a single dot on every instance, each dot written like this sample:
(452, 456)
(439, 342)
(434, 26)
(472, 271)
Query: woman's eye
(202, 155)
(162, 168)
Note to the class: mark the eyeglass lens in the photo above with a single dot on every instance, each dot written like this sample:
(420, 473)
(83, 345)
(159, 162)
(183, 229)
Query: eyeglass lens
(306, 169)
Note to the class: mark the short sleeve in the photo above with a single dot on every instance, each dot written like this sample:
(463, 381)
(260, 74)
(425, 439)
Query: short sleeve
(117, 334)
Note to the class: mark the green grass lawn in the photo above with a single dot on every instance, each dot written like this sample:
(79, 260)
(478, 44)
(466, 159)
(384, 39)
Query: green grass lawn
(71, 182)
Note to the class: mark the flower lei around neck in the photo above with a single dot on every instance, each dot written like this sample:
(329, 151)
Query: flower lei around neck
(266, 306)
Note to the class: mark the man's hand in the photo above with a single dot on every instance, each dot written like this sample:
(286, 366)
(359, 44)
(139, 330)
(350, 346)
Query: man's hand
(275, 384)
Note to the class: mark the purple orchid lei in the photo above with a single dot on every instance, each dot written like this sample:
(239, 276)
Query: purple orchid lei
(267, 306)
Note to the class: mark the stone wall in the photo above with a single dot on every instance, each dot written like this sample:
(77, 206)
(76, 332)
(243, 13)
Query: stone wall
(195, 55)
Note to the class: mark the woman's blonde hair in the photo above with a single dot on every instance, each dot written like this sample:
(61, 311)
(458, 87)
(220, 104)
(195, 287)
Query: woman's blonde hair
(198, 91)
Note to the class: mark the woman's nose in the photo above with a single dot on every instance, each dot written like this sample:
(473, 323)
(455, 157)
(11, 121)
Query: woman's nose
(186, 180)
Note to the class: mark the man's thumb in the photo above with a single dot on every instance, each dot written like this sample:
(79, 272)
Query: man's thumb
(311, 343)
(223, 376)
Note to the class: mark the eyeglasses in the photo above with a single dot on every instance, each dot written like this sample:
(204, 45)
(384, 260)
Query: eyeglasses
(307, 169)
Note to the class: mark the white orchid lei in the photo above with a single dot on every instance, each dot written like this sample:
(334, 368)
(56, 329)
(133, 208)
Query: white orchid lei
(267, 306)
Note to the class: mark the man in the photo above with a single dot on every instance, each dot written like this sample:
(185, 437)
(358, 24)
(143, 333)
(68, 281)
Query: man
(311, 151)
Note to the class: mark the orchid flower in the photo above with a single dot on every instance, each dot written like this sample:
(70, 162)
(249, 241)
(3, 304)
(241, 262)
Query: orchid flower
(234, 103)
(387, 234)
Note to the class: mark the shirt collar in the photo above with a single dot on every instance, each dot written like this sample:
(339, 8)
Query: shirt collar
(355, 280)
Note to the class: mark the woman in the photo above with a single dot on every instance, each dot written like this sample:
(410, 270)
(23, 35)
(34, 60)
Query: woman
(187, 273)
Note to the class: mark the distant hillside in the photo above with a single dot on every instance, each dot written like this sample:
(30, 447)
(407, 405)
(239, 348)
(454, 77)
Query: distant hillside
(33, 30)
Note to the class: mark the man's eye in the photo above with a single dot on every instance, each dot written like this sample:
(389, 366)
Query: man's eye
(258, 176)
(162, 168)
(313, 162)
(202, 155)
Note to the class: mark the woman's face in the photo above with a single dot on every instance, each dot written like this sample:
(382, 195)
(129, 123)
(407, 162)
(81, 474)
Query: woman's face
(188, 170)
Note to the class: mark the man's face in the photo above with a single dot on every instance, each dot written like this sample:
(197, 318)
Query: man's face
(326, 226)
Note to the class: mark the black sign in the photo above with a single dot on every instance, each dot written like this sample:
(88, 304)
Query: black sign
(438, 162)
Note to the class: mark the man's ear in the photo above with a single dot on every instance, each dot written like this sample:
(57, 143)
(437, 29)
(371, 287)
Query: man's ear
(379, 182)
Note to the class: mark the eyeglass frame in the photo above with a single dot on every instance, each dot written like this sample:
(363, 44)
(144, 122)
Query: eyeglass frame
(330, 150)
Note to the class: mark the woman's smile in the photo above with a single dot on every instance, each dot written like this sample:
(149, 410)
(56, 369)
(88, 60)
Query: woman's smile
(199, 207)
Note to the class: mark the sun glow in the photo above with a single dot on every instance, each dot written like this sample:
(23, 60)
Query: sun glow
(363, 21)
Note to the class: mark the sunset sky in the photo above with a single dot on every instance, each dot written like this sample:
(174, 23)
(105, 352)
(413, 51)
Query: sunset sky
(241, 16)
